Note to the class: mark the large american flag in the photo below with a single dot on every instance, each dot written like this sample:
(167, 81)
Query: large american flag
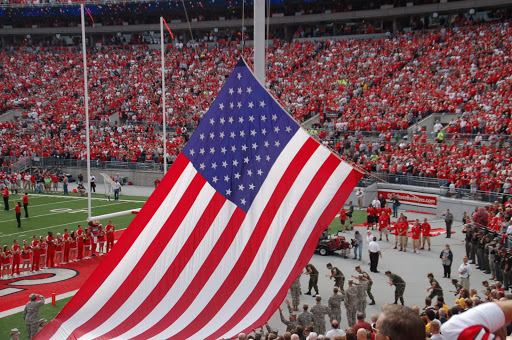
(215, 248)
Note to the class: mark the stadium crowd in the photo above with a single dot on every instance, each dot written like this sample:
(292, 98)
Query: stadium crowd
(53, 251)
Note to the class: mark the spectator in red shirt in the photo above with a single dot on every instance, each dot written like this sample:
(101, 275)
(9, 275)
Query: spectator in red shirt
(425, 231)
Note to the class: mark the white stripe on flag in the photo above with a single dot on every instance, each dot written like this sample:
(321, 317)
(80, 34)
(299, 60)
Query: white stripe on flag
(188, 273)
(251, 277)
(129, 261)
(296, 246)
(147, 285)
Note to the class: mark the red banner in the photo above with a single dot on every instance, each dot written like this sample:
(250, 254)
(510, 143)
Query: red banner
(407, 197)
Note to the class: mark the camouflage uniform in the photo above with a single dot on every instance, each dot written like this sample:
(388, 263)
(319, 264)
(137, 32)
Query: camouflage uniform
(399, 287)
(334, 304)
(350, 305)
(361, 297)
(319, 311)
(305, 318)
(369, 285)
(295, 293)
(290, 325)
(313, 278)
(339, 278)
(437, 291)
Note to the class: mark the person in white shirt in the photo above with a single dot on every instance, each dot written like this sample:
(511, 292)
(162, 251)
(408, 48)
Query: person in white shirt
(376, 203)
(465, 272)
(374, 250)
(360, 197)
(335, 330)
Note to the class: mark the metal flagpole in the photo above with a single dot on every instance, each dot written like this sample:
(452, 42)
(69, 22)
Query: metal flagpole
(86, 93)
(259, 40)
(162, 46)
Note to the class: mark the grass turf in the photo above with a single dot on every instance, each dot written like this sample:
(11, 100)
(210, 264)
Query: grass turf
(54, 212)
(47, 312)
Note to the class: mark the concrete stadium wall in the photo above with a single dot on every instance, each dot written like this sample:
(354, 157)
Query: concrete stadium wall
(142, 178)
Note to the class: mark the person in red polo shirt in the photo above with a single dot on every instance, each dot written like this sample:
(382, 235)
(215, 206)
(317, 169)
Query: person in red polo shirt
(416, 232)
(36, 253)
(25, 204)
(66, 240)
(17, 210)
(5, 194)
(425, 231)
(383, 226)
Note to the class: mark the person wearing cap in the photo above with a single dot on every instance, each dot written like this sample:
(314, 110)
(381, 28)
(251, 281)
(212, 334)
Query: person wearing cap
(480, 250)
(291, 323)
(448, 219)
(399, 284)
(334, 304)
(351, 302)
(42, 322)
(313, 278)
(362, 287)
(468, 235)
(465, 272)
(31, 315)
(339, 278)
(487, 241)
(493, 248)
(15, 334)
(306, 317)
(320, 311)
(369, 285)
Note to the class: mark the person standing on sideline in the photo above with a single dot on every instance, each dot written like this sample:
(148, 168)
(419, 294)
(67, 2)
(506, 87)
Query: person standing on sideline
(5, 194)
(416, 231)
(16, 258)
(465, 271)
(360, 198)
(425, 232)
(399, 284)
(447, 258)
(31, 315)
(374, 250)
(109, 230)
(320, 311)
(334, 304)
(25, 204)
(65, 182)
(448, 219)
(17, 210)
(343, 218)
(117, 190)
(92, 180)
(358, 244)
(350, 212)
(351, 297)
(395, 204)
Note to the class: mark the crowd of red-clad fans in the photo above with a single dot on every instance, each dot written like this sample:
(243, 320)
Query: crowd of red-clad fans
(383, 85)
(53, 251)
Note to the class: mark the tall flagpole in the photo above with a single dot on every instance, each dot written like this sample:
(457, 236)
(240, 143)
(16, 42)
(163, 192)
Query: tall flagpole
(163, 91)
(86, 93)
(259, 40)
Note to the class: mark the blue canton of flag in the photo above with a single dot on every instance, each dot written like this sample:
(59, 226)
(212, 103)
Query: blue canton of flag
(245, 131)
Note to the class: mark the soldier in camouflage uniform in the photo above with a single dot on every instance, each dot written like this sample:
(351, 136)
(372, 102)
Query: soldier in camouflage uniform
(399, 284)
(295, 293)
(434, 286)
(320, 311)
(306, 317)
(334, 304)
(291, 323)
(457, 286)
(313, 278)
(361, 294)
(370, 283)
(350, 303)
(339, 278)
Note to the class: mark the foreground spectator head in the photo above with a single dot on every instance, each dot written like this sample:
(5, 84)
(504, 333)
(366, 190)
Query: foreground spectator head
(242, 336)
(361, 334)
(399, 323)
(312, 336)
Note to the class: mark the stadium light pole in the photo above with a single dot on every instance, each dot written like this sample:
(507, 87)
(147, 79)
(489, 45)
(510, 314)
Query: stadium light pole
(162, 46)
(259, 40)
(86, 93)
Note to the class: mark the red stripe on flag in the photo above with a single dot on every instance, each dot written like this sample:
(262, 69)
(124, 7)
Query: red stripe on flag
(121, 248)
(309, 247)
(147, 260)
(172, 35)
(251, 249)
(202, 276)
(174, 270)
(288, 233)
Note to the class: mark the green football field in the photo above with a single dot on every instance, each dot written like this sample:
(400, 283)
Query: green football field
(56, 212)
